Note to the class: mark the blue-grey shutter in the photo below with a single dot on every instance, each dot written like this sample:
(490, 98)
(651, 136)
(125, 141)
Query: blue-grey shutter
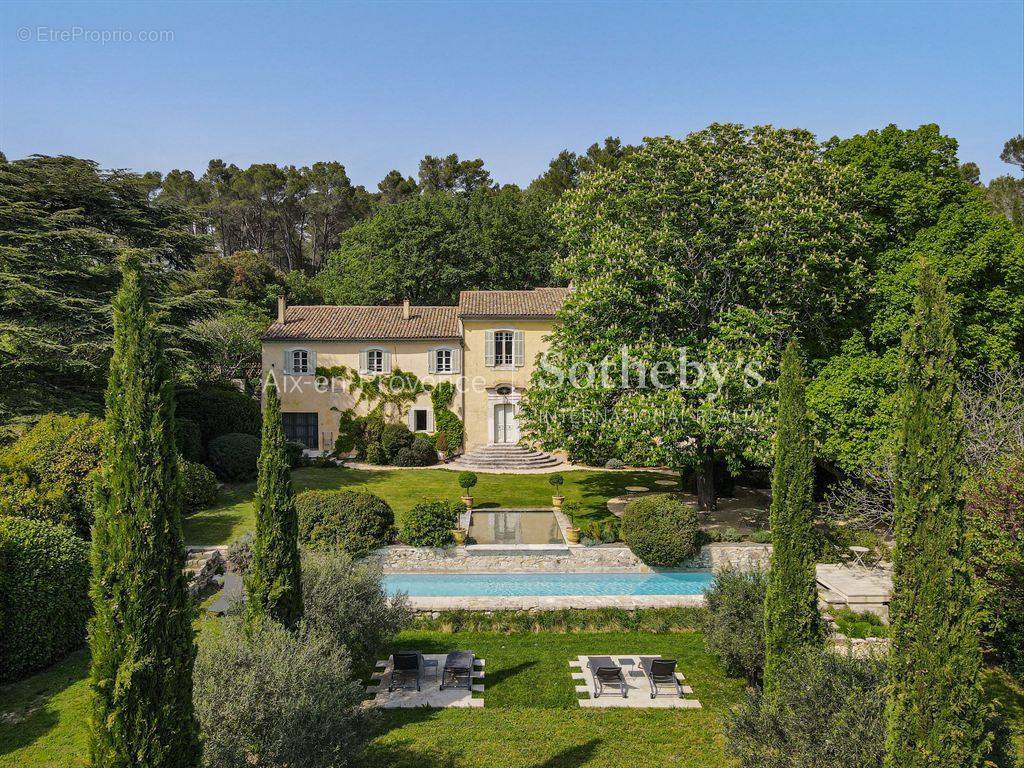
(363, 362)
(287, 367)
(432, 360)
(456, 360)
(386, 360)
(489, 349)
(518, 349)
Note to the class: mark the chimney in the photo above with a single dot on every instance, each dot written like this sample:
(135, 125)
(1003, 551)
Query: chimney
(405, 309)
(282, 304)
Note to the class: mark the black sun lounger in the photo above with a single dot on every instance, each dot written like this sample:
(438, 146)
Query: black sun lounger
(407, 667)
(606, 673)
(661, 672)
(458, 670)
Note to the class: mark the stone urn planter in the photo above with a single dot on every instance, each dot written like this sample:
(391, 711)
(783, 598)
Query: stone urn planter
(459, 534)
(572, 535)
(556, 501)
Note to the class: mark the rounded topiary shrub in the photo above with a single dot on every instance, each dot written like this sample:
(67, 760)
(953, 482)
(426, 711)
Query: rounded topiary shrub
(44, 594)
(354, 521)
(198, 486)
(430, 524)
(393, 438)
(233, 457)
(660, 529)
(421, 453)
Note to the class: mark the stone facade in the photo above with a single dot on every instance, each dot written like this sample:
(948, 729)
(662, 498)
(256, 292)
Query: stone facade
(601, 559)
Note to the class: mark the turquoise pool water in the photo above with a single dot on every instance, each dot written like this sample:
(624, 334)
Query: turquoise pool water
(547, 584)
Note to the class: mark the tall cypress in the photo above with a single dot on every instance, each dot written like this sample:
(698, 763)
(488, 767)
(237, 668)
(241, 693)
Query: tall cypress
(274, 582)
(791, 618)
(141, 636)
(935, 716)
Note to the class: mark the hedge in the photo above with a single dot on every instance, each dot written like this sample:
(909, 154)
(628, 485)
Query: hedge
(233, 457)
(430, 524)
(44, 595)
(354, 521)
(219, 411)
(660, 529)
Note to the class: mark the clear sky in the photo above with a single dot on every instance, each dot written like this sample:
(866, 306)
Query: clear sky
(377, 86)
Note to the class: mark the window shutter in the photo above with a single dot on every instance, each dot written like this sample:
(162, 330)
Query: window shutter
(411, 420)
(312, 362)
(489, 349)
(456, 360)
(518, 349)
(362, 362)
(430, 419)
(287, 368)
(387, 360)
(432, 360)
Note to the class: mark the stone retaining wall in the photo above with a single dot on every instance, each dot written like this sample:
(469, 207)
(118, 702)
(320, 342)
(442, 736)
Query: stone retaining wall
(605, 558)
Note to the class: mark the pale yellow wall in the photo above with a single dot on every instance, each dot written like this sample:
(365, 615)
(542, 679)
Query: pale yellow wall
(478, 377)
(300, 393)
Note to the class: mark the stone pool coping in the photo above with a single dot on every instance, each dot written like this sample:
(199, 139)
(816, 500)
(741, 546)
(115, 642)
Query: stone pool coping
(551, 602)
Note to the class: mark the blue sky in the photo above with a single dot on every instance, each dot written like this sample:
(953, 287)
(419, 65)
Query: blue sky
(377, 86)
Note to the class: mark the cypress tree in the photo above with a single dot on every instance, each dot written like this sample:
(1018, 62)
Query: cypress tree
(141, 636)
(935, 716)
(274, 582)
(791, 618)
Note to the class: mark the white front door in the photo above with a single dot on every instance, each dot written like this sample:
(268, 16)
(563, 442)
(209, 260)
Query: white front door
(506, 428)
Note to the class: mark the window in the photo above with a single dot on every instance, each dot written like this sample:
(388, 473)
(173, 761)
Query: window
(302, 428)
(503, 343)
(375, 361)
(443, 361)
(419, 420)
(300, 361)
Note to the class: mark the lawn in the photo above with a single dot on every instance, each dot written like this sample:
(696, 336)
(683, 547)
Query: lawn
(233, 514)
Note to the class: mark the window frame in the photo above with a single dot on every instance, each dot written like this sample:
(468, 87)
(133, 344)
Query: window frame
(426, 420)
(444, 352)
(306, 368)
(510, 335)
(369, 360)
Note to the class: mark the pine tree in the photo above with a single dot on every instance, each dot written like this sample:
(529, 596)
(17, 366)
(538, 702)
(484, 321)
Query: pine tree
(141, 636)
(935, 716)
(791, 618)
(274, 583)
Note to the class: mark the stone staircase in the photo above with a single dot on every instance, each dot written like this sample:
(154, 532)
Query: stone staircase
(498, 458)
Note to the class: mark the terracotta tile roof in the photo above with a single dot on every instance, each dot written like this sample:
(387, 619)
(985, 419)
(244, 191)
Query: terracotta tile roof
(540, 302)
(325, 322)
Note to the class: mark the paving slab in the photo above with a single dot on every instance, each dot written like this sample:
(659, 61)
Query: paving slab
(856, 584)
(638, 690)
(430, 694)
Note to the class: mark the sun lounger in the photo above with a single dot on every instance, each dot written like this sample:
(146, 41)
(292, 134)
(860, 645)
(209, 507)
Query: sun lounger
(406, 666)
(458, 670)
(661, 671)
(606, 673)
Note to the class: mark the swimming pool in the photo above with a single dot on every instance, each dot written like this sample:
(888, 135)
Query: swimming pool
(547, 584)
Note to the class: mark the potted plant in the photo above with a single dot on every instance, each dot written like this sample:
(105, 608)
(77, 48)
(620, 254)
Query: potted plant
(441, 444)
(556, 481)
(467, 480)
(572, 533)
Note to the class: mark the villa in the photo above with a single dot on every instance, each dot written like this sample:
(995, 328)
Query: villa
(486, 346)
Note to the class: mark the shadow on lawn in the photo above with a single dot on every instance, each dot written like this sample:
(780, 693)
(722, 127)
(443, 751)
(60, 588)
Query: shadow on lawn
(20, 734)
(597, 488)
(573, 757)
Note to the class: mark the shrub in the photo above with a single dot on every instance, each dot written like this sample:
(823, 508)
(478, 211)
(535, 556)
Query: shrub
(660, 529)
(859, 625)
(599, 531)
(349, 433)
(430, 524)
(614, 464)
(239, 554)
(734, 623)
(353, 521)
(393, 438)
(234, 456)
(188, 439)
(826, 709)
(288, 698)
(347, 602)
(420, 454)
(44, 594)
(293, 452)
(445, 422)
(47, 473)
(198, 486)
(467, 480)
(219, 410)
(761, 537)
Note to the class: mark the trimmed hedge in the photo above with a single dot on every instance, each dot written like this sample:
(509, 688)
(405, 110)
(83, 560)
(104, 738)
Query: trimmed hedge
(354, 521)
(188, 439)
(421, 453)
(430, 524)
(219, 411)
(198, 486)
(233, 457)
(44, 595)
(660, 529)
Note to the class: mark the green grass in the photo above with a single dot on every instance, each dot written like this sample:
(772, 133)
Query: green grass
(233, 514)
